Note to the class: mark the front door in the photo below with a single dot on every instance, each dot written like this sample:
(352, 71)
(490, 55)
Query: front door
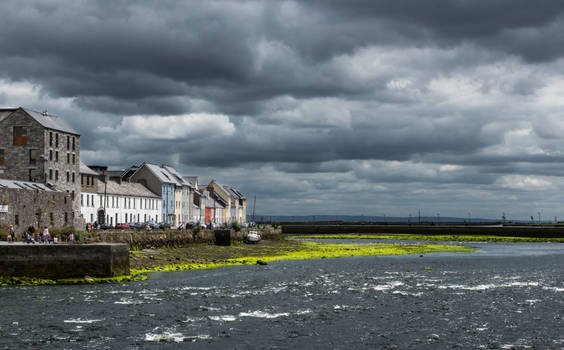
(101, 217)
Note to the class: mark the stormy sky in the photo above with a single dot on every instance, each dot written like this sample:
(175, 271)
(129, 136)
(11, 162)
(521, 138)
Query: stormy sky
(316, 107)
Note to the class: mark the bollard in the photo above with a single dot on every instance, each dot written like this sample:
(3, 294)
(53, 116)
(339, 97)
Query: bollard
(222, 237)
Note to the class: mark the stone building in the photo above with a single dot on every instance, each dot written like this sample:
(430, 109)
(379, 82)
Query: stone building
(24, 203)
(41, 148)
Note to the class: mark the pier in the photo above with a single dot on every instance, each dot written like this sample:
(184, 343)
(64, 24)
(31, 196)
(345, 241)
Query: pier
(64, 260)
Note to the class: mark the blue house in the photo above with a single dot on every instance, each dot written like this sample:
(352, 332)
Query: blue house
(161, 182)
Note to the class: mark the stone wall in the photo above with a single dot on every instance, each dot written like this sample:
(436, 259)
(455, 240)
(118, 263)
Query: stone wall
(64, 260)
(17, 162)
(67, 161)
(35, 207)
(37, 159)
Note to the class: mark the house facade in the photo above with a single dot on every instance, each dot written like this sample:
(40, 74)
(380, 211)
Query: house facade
(161, 182)
(117, 202)
(41, 148)
(235, 202)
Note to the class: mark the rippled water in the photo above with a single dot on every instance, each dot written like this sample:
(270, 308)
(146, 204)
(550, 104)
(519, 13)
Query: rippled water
(503, 296)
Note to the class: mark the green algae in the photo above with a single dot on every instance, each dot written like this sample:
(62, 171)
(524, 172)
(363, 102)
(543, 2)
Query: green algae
(437, 238)
(34, 281)
(314, 250)
(299, 250)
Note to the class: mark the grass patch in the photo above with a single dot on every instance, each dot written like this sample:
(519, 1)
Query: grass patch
(439, 238)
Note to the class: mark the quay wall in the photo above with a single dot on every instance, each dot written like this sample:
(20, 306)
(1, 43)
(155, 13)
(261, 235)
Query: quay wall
(512, 231)
(64, 260)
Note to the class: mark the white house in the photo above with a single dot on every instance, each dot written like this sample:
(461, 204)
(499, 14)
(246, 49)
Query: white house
(117, 201)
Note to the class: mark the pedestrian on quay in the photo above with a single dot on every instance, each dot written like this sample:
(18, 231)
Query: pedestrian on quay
(71, 238)
(11, 234)
(45, 235)
(28, 237)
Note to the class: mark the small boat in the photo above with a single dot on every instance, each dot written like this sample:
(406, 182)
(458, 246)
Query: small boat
(252, 237)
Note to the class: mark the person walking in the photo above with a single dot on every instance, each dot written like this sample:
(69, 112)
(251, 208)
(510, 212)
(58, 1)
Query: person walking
(11, 234)
(45, 235)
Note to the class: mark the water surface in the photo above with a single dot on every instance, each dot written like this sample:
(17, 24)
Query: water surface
(504, 295)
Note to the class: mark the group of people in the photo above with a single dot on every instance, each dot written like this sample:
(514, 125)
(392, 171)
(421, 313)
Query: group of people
(30, 236)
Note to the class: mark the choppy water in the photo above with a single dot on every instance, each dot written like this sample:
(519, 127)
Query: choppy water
(504, 296)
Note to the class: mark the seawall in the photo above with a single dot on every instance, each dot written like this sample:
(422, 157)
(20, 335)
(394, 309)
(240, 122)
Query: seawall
(64, 260)
(514, 231)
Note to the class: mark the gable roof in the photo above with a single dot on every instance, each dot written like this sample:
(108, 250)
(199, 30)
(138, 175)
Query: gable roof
(47, 120)
(161, 174)
(125, 189)
(176, 175)
(84, 169)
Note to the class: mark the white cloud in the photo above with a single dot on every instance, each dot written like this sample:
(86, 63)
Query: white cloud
(176, 127)
(524, 182)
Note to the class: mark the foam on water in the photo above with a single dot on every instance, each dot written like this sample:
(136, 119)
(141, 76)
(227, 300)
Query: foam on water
(79, 320)
(223, 318)
(172, 336)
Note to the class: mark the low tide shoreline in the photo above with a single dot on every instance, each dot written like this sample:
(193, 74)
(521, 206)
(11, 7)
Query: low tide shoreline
(205, 255)
(146, 258)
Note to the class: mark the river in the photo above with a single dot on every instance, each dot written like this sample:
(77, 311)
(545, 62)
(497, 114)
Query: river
(505, 295)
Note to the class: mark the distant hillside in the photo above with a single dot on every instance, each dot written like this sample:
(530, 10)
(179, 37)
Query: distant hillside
(370, 219)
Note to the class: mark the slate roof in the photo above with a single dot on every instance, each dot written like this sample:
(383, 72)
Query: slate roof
(192, 180)
(48, 121)
(176, 175)
(125, 189)
(162, 175)
(84, 169)
(4, 183)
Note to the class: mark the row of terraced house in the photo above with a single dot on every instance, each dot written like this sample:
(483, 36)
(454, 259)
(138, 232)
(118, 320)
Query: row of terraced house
(44, 182)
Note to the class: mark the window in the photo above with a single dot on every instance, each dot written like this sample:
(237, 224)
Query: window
(73, 143)
(82, 200)
(2, 157)
(51, 218)
(73, 159)
(72, 177)
(56, 175)
(50, 155)
(57, 140)
(56, 156)
(50, 174)
(91, 218)
(33, 155)
(68, 176)
(68, 143)
(68, 158)
(17, 220)
(20, 136)
(72, 195)
(50, 138)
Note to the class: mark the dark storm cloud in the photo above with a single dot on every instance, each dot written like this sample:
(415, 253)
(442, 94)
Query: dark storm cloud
(323, 96)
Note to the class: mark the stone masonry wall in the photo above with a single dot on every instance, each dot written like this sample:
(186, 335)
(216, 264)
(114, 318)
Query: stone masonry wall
(42, 159)
(17, 164)
(37, 208)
